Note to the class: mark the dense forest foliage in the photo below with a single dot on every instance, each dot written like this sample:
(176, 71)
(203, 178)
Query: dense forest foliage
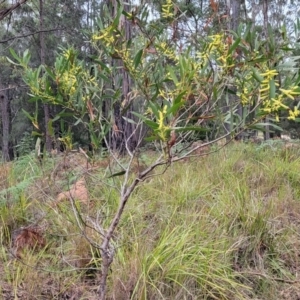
(97, 74)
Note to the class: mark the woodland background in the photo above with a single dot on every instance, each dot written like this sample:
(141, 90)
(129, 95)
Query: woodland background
(45, 28)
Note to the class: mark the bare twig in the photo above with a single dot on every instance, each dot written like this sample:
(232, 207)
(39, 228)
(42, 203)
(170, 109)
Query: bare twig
(29, 34)
(7, 11)
(13, 87)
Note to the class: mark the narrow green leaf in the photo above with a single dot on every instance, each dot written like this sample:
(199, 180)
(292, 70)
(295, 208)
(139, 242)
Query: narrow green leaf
(56, 118)
(234, 45)
(173, 76)
(50, 73)
(117, 174)
(105, 78)
(286, 48)
(28, 115)
(137, 58)
(26, 57)
(179, 97)
(77, 122)
(257, 76)
(189, 128)
(129, 120)
(103, 65)
(12, 62)
(117, 18)
(126, 14)
(151, 124)
(154, 108)
(35, 133)
(261, 126)
(174, 108)
(148, 122)
(151, 139)
(272, 89)
(15, 55)
(96, 141)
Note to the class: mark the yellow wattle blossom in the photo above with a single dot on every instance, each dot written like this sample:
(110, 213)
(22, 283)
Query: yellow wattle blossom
(167, 51)
(162, 129)
(274, 105)
(107, 36)
(291, 92)
(244, 96)
(269, 74)
(166, 95)
(277, 103)
(217, 47)
(68, 81)
(167, 9)
(245, 89)
(265, 84)
(293, 113)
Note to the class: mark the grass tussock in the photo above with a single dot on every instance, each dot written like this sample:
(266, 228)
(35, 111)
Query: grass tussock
(224, 226)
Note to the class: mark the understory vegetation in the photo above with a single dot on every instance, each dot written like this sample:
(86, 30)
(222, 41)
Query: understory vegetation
(221, 226)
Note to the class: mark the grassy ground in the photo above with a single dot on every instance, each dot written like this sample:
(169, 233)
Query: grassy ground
(225, 226)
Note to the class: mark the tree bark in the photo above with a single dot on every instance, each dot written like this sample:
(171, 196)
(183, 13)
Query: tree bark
(122, 135)
(7, 149)
(234, 11)
(266, 22)
(48, 141)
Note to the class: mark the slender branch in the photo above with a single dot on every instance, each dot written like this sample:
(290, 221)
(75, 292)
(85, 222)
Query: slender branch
(29, 34)
(6, 11)
(13, 87)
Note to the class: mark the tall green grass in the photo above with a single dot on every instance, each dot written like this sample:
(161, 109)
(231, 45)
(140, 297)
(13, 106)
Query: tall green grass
(225, 226)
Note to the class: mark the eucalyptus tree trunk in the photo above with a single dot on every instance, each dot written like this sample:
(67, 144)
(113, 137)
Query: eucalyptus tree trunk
(122, 135)
(234, 11)
(266, 22)
(48, 141)
(7, 148)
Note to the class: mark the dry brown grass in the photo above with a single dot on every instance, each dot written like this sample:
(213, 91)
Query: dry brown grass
(29, 238)
(77, 191)
(5, 170)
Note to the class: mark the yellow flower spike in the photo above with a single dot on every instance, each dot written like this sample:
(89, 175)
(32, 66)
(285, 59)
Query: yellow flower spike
(264, 89)
(291, 116)
(162, 129)
(296, 111)
(270, 73)
(294, 92)
(167, 9)
(287, 93)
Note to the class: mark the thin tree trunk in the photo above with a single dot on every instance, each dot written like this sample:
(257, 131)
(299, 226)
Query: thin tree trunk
(48, 141)
(7, 153)
(123, 133)
(266, 22)
(234, 11)
(128, 128)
